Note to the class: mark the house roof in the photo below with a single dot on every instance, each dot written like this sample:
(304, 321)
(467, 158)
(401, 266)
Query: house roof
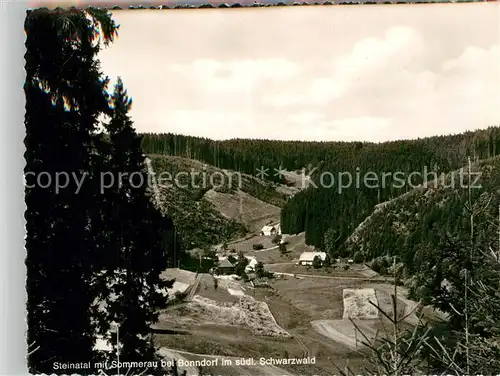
(268, 228)
(309, 256)
(252, 261)
(225, 263)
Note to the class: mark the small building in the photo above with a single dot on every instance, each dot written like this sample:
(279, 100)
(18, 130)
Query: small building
(278, 229)
(225, 267)
(268, 230)
(307, 258)
(252, 261)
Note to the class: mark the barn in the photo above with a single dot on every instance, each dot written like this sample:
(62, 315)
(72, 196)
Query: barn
(225, 267)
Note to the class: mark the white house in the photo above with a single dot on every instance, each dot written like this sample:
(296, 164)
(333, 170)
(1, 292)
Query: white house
(268, 230)
(252, 261)
(306, 258)
(278, 228)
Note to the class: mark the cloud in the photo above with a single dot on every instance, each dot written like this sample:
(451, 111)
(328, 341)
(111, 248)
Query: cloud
(473, 58)
(347, 129)
(305, 118)
(237, 75)
(368, 64)
(336, 80)
(217, 123)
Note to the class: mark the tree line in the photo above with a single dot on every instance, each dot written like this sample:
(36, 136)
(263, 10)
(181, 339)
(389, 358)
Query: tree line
(319, 211)
(329, 213)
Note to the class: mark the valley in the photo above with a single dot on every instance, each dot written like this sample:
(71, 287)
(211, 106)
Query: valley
(300, 312)
(327, 309)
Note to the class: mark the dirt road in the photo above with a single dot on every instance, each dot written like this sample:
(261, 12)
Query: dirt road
(377, 279)
(344, 332)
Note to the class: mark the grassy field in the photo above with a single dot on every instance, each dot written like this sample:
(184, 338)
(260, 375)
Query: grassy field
(246, 244)
(309, 310)
(318, 298)
(294, 308)
(294, 244)
(207, 290)
(292, 303)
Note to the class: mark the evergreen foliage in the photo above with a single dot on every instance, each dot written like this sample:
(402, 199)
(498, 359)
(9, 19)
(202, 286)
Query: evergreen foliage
(135, 238)
(93, 256)
(65, 94)
(316, 210)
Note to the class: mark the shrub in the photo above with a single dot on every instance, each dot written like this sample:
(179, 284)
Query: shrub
(328, 261)
(358, 257)
(259, 269)
(179, 297)
(282, 248)
(258, 246)
(377, 264)
(276, 239)
(317, 263)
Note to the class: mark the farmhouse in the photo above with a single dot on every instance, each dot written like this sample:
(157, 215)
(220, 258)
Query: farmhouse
(278, 228)
(268, 230)
(252, 261)
(225, 267)
(306, 258)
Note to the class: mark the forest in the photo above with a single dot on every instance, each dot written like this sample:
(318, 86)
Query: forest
(322, 210)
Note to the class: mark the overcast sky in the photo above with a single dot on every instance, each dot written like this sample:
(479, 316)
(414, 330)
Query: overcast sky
(370, 73)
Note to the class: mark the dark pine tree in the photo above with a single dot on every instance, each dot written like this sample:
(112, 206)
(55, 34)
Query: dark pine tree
(137, 254)
(65, 94)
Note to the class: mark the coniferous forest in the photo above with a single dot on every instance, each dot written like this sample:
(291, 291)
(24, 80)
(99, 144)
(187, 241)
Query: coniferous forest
(305, 211)
(95, 256)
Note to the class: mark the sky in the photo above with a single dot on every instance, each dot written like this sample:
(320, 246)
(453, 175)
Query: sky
(317, 73)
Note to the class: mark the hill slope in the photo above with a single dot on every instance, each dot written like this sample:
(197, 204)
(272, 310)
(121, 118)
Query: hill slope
(350, 182)
(210, 205)
(411, 225)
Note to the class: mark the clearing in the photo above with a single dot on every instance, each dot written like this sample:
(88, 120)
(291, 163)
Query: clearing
(246, 312)
(243, 208)
(359, 303)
